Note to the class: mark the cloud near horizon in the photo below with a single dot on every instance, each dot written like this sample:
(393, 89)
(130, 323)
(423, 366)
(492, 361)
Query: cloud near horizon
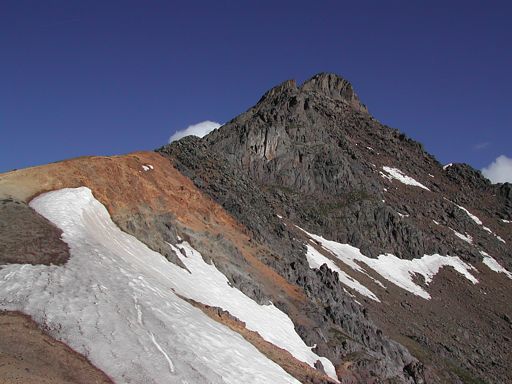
(500, 170)
(200, 129)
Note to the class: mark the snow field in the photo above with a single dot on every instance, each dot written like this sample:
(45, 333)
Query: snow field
(113, 301)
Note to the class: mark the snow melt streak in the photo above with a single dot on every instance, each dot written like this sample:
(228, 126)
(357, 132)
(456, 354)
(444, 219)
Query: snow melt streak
(113, 302)
(479, 222)
(494, 265)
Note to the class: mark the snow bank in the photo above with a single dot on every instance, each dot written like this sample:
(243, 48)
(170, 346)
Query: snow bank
(316, 260)
(494, 265)
(113, 301)
(395, 173)
(398, 271)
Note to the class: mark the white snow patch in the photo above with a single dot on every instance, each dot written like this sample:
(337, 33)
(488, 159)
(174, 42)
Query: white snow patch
(279, 216)
(467, 238)
(431, 175)
(398, 271)
(353, 255)
(479, 222)
(471, 216)
(316, 260)
(370, 148)
(435, 222)
(114, 302)
(401, 272)
(402, 214)
(447, 166)
(494, 265)
(506, 221)
(397, 174)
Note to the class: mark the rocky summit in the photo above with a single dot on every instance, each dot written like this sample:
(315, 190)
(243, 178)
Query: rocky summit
(302, 241)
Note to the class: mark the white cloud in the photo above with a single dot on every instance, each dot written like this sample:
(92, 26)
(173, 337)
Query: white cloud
(500, 170)
(481, 146)
(200, 129)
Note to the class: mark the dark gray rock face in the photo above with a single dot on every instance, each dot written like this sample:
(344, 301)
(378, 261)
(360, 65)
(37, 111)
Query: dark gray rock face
(319, 153)
(314, 155)
(505, 195)
(467, 177)
(28, 238)
(156, 231)
(336, 88)
(304, 145)
(341, 328)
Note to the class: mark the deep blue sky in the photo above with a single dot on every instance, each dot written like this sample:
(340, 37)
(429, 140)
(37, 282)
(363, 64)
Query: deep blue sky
(110, 77)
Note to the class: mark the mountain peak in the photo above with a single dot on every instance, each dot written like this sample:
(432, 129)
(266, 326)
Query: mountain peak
(286, 87)
(328, 85)
(335, 87)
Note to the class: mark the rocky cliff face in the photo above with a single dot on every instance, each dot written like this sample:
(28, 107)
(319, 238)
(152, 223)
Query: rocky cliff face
(313, 155)
(320, 155)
